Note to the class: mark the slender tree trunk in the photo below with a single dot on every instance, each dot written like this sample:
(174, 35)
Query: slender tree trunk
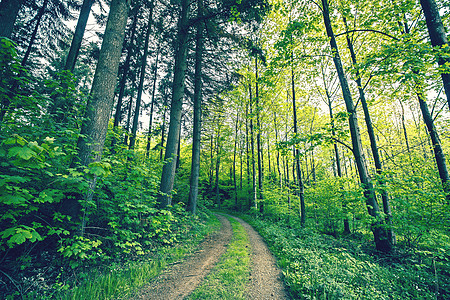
(382, 241)
(127, 126)
(373, 141)
(234, 162)
(141, 81)
(123, 81)
(300, 186)
(155, 78)
(196, 135)
(278, 151)
(438, 38)
(247, 150)
(252, 142)
(176, 107)
(78, 35)
(99, 106)
(9, 10)
(258, 142)
(219, 203)
(436, 142)
(39, 16)
(163, 133)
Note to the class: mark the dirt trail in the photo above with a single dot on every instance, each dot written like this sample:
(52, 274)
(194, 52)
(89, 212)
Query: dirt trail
(180, 280)
(265, 276)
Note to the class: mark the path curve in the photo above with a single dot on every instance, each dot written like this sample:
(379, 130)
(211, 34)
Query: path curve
(265, 276)
(181, 279)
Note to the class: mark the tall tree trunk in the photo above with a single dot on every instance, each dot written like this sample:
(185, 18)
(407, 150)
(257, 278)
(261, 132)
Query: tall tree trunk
(39, 16)
(252, 143)
(438, 38)
(123, 80)
(234, 162)
(141, 81)
(163, 133)
(78, 35)
(436, 142)
(197, 130)
(176, 107)
(371, 133)
(258, 141)
(129, 114)
(219, 203)
(99, 106)
(382, 241)
(278, 151)
(300, 186)
(9, 10)
(155, 78)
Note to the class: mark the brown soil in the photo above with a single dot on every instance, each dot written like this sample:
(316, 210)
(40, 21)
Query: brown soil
(182, 278)
(178, 281)
(265, 276)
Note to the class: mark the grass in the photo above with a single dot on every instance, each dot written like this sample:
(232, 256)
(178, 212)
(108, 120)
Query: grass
(317, 266)
(124, 281)
(229, 278)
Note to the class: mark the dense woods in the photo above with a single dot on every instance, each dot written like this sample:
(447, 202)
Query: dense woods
(123, 122)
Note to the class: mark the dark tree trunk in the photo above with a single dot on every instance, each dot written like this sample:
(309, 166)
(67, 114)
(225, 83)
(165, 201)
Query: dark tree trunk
(163, 133)
(252, 144)
(382, 241)
(219, 203)
(436, 142)
(155, 78)
(78, 35)
(299, 182)
(39, 16)
(234, 162)
(373, 141)
(438, 38)
(123, 80)
(141, 81)
(9, 10)
(197, 130)
(99, 106)
(176, 107)
(258, 142)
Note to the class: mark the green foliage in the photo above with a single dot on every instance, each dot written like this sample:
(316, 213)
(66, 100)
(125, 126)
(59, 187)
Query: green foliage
(320, 267)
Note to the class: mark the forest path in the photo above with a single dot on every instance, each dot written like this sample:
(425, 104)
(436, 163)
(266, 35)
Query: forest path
(265, 276)
(180, 280)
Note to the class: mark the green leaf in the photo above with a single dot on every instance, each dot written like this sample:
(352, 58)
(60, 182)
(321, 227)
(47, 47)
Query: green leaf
(21, 152)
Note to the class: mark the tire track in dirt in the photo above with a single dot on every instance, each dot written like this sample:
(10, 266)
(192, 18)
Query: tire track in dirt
(181, 279)
(265, 276)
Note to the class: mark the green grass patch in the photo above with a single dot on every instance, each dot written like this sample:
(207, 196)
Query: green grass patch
(318, 266)
(122, 282)
(229, 278)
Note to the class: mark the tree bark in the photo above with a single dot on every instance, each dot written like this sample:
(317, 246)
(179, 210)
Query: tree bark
(9, 10)
(252, 144)
(373, 141)
(170, 157)
(99, 106)
(196, 135)
(436, 142)
(39, 16)
(141, 81)
(78, 35)
(300, 186)
(258, 141)
(155, 78)
(438, 38)
(382, 241)
(123, 80)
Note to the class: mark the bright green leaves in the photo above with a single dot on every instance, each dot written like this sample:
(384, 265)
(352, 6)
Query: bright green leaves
(20, 234)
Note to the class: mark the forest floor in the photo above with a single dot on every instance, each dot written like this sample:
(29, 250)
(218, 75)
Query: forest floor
(181, 279)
